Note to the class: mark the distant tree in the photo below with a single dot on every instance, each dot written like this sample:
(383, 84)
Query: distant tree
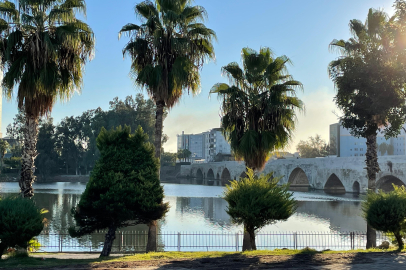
(257, 201)
(313, 147)
(44, 48)
(383, 148)
(386, 212)
(390, 150)
(259, 107)
(168, 159)
(48, 160)
(124, 187)
(370, 76)
(184, 154)
(4, 147)
(20, 221)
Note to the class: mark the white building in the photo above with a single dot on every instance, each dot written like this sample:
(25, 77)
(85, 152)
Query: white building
(204, 146)
(349, 146)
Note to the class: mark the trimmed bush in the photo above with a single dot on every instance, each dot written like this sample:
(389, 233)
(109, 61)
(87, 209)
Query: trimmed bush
(386, 212)
(257, 201)
(20, 221)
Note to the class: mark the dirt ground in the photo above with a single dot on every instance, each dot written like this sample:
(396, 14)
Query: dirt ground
(370, 261)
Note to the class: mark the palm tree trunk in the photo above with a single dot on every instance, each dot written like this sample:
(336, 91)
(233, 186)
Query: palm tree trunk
(152, 236)
(159, 127)
(372, 169)
(108, 242)
(152, 228)
(29, 153)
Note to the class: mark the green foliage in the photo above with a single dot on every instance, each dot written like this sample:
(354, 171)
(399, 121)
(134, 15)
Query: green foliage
(259, 107)
(373, 59)
(168, 159)
(386, 212)
(168, 48)
(183, 154)
(383, 148)
(258, 201)
(44, 50)
(20, 221)
(13, 162)
(124, 187)
(313, 147)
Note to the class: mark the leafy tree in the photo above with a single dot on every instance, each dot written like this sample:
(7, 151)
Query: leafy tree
(167, 51)
(20, 221)
(184, 154)
(386, 212)
(313, 147)
(257, 201)
(370, 78)
(168, 159)
(390, 150)
(4, 147)
(48, 159)
(383, 148)
(258, 108)
(124, 187)
(43, 53)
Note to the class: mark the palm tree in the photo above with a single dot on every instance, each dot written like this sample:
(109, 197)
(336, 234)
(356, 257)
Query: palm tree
(259, 107)
(4, 147)
(43, 49)
(369, 78)
(167, 52)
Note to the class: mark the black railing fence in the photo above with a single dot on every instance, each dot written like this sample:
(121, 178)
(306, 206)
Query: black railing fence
(135, 241)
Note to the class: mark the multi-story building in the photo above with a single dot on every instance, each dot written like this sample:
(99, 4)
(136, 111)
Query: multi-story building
(347, 145)
(204, 146)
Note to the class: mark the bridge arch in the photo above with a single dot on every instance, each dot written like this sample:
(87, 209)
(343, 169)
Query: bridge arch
(225, 177)
(210, 174)
(385, 183)
(243, 175)
(334, 185)
(356, 187)
(298, 178)
(199, 176)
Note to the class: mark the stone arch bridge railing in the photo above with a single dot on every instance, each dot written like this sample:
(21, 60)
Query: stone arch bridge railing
(335, 175)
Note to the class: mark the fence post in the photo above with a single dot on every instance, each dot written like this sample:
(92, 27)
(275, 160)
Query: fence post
(295, 240)
(352, 236)
(178, 241)
(60, 242)
(236, 242)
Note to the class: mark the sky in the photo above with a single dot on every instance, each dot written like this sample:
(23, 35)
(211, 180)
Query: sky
(301, 30)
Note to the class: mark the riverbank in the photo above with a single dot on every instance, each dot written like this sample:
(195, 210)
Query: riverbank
(279, 259)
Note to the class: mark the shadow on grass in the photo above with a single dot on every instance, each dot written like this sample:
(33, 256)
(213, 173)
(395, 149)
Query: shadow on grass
(390, 258)
(247, 260)
(35, 262)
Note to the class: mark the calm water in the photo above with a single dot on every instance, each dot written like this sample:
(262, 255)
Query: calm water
(200, 208)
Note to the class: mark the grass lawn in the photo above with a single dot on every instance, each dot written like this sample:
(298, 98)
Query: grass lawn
(27, 262)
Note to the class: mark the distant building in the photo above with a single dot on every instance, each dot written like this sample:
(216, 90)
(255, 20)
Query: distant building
(204, 146)
(347, 145)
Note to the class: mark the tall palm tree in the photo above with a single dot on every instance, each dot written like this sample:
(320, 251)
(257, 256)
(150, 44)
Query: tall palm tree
(43, 48)
(369, 77)
(259, 107)
(167, 51)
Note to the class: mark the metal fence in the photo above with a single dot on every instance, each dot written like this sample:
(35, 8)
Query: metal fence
(135, 241)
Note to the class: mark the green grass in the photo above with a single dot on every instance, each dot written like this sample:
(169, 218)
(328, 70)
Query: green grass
(38, 262)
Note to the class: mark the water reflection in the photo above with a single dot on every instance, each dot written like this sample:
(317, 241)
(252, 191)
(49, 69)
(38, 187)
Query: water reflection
(200, 208)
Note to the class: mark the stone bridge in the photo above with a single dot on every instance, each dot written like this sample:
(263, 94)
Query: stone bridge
(336, 175)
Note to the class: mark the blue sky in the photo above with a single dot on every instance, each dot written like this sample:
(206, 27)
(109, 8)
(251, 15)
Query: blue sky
(298, 29)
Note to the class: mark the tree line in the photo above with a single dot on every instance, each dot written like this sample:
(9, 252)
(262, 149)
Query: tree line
(69, 147)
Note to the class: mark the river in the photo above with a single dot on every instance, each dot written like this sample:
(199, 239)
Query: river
(201, 208)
